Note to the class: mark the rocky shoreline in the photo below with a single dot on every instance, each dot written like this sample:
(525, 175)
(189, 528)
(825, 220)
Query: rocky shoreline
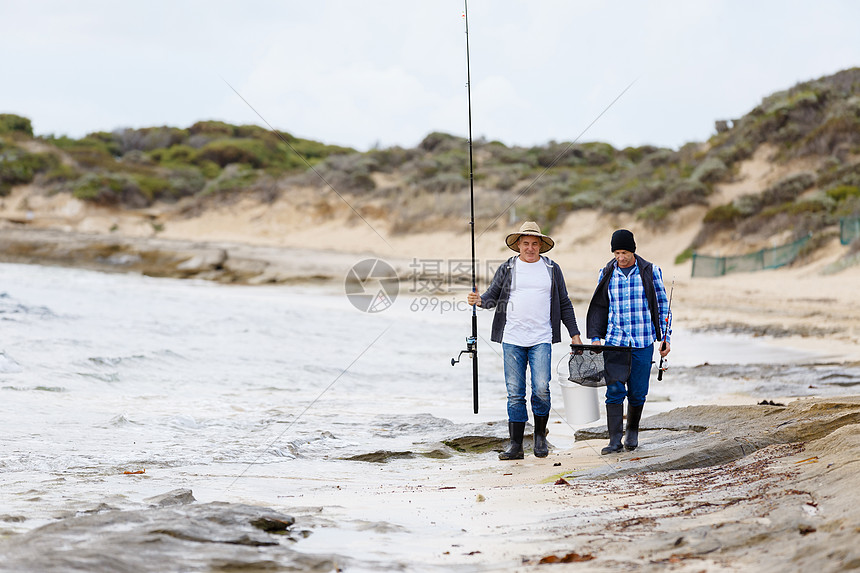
(783, 497)
(224, 262)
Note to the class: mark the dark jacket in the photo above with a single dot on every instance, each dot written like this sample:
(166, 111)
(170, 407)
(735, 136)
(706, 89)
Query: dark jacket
(597, 317)
(499, 293)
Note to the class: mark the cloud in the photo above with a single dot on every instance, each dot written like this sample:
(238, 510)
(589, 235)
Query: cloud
(387, 71)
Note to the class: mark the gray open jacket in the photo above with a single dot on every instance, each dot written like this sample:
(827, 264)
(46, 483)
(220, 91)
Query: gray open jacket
(499, 293)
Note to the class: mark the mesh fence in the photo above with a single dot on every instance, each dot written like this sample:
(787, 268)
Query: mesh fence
(849, 229)
(707, 266)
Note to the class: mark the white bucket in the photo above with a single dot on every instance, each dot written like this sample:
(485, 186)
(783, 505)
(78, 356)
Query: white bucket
(580, 403)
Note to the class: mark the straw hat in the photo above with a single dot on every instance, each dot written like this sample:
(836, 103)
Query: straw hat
(529, 228)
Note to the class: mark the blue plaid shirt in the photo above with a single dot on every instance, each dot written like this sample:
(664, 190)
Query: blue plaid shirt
(629, 318)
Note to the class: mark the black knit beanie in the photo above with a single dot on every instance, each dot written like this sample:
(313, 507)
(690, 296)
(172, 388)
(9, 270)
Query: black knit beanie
(622, 239)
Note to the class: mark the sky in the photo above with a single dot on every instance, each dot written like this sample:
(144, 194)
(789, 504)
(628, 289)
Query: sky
(383, 73)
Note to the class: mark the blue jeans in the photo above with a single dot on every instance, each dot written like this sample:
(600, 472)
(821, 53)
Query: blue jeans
(637, 385)
(539, 360)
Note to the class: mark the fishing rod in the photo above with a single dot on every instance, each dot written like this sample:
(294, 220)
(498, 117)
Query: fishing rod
(660, 368)
(471, 341)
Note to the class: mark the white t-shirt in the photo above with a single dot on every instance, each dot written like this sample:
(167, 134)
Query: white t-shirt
(528, 316)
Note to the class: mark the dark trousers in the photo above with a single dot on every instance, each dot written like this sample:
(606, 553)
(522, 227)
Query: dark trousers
(636, 388)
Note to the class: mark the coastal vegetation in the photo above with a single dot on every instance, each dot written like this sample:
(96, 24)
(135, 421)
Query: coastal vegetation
(815, 125)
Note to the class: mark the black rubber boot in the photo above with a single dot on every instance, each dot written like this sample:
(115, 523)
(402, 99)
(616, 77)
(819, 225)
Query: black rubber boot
(631, 438)
(541, 448)
(615, 424)
(515, 449)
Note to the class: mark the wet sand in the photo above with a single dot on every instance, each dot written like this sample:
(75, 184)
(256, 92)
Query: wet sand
(732, 488)
(711, 488)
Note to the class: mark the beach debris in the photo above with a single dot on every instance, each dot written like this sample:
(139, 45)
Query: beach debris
(479, 498)
(379, 456)
(806, 529)
(475, 444)
(174, 497)
(562, 481)
(135, 472)
(812, 460)
(273, 525)
(573, 557)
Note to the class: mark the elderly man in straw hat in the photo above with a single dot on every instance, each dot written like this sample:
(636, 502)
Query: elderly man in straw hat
(531, 302)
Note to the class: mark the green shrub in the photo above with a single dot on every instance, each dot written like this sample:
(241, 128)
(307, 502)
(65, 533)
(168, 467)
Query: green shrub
(843, 192)
(683, 193)
(99, 188)
(637, 154)
(788, 188)
(89, 152)
(445, 182)
(223, 152)
(216, 128)
(635, 194)
(234, 178)
(723, 214)
(586, 200)
(795, 208)
(152, 187)
(710, 170)
(61, 173)
(734, 153)
(833, 132)
(148, 138)
(18, 166)
(209, 169)
(11, 123)
(185, 182)
(437, 142)
(392, 158)
(597, 153)
(312, 151)
(559, 155)
(653, 215)
(684, 256)
(176, 155)
(106, 139)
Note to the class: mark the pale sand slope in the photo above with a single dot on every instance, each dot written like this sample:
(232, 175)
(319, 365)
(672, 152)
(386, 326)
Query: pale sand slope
(260, 242)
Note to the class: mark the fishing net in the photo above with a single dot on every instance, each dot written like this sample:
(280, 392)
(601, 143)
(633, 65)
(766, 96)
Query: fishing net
(591, 365)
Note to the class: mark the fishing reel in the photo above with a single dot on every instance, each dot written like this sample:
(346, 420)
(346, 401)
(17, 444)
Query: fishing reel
(664, 365)
(471, 348)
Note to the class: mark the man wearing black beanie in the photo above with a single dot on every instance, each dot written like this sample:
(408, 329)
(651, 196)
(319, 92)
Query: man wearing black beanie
(629, 308)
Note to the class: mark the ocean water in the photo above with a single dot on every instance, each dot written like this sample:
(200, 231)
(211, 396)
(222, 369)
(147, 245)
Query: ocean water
(261, 394)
